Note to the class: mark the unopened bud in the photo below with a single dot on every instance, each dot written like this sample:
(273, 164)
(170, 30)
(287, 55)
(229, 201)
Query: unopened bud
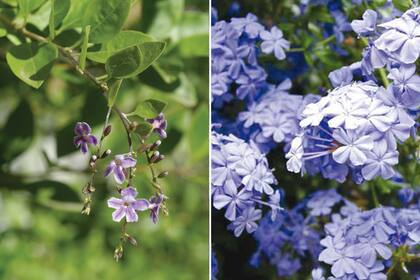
(107, 130)
(155, 145)
(163, 174)
(118, 253)
(106, 153)
(93, 158)
(88, 189)
(92, 164)
(131, 239)
(155, 156)
(160, 158)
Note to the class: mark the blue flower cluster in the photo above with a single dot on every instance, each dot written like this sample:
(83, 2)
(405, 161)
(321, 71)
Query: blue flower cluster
(235, 47)
(360, 244)
(295, 234)
(356, 127)
(241, 179)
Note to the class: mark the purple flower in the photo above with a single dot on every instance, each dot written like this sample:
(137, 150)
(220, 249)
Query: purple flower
(233, 200)
(118, 166)
(341, 77)
(155, 205)
(273, 41)
(127, 205)
(354, 147)
(401, 40)
(407, 84)
(322, 202)
(247, 220)
(317, 274)
(380, 161)
(367, 25)
(248, 24)
(83, 137)
(159, 125)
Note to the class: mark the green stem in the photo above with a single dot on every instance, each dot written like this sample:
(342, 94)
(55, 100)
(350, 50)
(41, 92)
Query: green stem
(374, 195)
(382, 75)
(326, 41)
(296, 50)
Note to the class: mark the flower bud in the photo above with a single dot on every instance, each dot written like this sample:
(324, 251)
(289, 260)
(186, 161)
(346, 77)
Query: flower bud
(88, 189)
(155, 156)
(93, 158)
(163, 174)
(106, 153)
(159, 158)
(107, 130)
(131, 239)
(155, 145)
(118, 253)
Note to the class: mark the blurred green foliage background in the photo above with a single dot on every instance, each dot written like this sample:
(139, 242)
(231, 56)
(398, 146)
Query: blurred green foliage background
(42, 233)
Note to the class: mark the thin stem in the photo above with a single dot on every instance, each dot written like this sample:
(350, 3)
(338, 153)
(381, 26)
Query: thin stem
(382, 75)
(295, 50)
(374, 195)
(326, 41)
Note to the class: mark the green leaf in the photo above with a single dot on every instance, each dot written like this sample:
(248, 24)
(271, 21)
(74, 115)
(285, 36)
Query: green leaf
(198, 133)
(60, 11)
(27, 6)
(402, 5)
(194, 46)
(106, 18)
(51, 23)
(75, 17)
(122, 40)
(149, 108)
(17, 135)
(113, 92)
(32, 62)
(124, 64)
(151, 51)
(144, 128)
(162, 16)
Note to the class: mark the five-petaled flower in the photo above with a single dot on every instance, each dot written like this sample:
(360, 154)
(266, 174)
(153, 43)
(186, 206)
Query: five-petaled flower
(127, 205)
(159, 125)
(119, 165)
(83, 137)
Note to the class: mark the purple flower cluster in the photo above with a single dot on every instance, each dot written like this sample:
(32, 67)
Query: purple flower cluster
(241, 179)
(354, 129)
(294, 236)
(360, 244)
(127, 206)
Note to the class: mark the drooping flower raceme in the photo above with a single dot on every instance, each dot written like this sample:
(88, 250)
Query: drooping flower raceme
(240, 179)
(127, 205)
(84, 137)
(119, 167)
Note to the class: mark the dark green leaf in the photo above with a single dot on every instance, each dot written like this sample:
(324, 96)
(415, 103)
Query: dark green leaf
(18, 132)
(106, 18)
(61, 9)
(122, 40)
(32, 62)
(124, 63)
(149, 109)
